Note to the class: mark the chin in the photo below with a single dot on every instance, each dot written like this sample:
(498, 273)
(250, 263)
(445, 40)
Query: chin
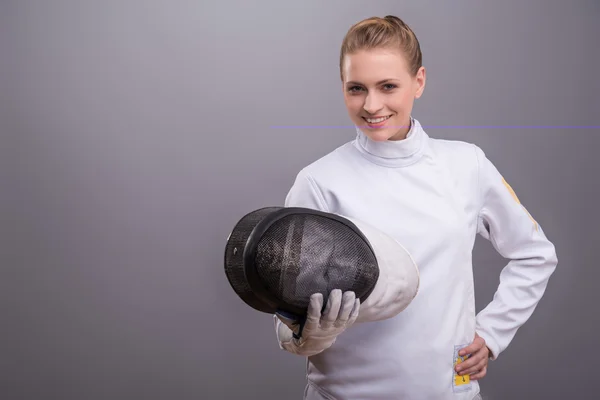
(378, 135)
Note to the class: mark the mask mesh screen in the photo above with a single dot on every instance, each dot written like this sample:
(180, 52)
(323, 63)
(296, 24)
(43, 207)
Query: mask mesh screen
(303, 254)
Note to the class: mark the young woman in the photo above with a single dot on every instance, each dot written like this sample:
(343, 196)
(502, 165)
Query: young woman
(434, 196)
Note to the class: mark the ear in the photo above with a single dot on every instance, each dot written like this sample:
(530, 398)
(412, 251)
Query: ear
(420, 80)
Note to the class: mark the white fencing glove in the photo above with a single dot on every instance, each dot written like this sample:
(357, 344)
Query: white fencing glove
(320, 330)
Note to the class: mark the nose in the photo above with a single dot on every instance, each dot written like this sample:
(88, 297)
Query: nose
(372, 104)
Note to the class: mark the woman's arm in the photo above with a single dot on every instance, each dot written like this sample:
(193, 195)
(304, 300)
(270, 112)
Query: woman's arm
(518, 237)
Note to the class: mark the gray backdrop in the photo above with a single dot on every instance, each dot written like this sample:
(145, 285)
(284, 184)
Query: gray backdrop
(136, 133)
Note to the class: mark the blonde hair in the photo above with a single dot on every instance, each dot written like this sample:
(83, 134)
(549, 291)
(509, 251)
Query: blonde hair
(387, 32)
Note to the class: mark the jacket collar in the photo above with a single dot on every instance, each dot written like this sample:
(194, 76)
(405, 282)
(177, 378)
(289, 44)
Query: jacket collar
(393, 153)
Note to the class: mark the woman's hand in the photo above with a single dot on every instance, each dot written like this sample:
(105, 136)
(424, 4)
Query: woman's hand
(476, 364)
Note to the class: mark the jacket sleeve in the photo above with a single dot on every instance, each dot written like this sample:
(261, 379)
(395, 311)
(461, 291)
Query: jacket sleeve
(519, 238)
(304, 193)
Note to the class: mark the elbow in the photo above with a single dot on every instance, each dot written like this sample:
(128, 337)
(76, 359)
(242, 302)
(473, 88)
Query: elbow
(542, 255)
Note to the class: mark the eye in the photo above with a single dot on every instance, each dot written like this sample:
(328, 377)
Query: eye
(389, 86)
(354, 89)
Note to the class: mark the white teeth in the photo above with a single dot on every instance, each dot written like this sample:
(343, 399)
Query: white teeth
(377, 120)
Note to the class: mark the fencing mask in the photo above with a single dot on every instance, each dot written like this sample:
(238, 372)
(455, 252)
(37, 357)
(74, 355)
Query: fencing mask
(277, 257)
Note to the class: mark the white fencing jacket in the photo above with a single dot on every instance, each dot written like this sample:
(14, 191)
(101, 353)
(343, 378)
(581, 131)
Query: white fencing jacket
(434, 196)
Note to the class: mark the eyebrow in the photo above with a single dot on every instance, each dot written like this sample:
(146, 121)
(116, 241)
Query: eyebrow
(378, 83)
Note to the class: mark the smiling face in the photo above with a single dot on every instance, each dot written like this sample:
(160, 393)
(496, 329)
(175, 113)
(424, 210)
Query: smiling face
(379, 92)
